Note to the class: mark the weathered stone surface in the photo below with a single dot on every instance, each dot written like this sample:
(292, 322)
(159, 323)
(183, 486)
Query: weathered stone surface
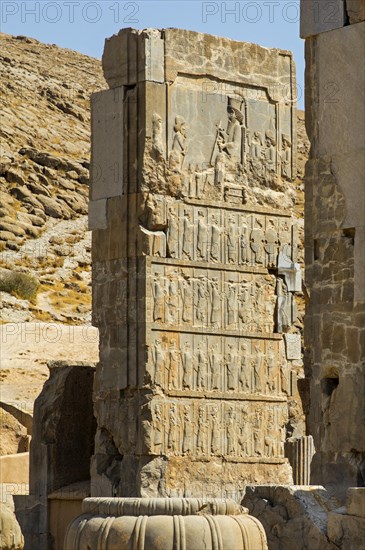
(355, 10)
(11, 537)
(355, 505)
(193, 383)
(107, 128)
(167, 523)
(293, 517)
(320, 16)
(63, 438)
(335, 256)
(300, 451)
(98, 215)
(345, 531)
(144, 59)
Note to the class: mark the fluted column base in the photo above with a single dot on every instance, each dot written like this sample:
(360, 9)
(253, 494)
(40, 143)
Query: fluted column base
(164, 524)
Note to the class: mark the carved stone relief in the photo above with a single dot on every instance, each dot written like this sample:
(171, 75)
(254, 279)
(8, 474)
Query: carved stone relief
(214, 299)
(218, 364)
(236, 430)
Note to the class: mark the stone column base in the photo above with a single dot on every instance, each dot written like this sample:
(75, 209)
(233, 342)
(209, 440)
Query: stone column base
(164, 524)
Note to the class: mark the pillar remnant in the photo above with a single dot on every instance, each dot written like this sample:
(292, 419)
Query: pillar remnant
(194, 264)
(335, 247)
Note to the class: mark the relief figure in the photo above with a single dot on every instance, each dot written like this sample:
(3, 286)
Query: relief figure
(231, 298)
(257, 240)
(188, 237)
(201, 301)
(229, 142)
(270, 437)
(286, 157)
(187, 364)
(157, 430)
(244, 244)
(172, 299)
(271, 244)
(243, 304)
(258, 364)
(215, 303)
(186, 291)
(256, 151)
(270, 154)
(173, 368)
(157, 142)
(172, 235)
(231, 242)
(179, 145)
(215, 240)
(201, 367)
(231, 432)
(202, 237)
(173, 440)
(215, 368)
(188, 433)
(159, 363)
(214, 432)
(245, 371)
(158, 293)
(245, 436)
(201, 441)
(231, 369)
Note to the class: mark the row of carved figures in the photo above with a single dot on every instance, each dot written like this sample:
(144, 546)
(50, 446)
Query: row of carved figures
(199, 301)
(208, 369)
(217, 432)
(236, 243)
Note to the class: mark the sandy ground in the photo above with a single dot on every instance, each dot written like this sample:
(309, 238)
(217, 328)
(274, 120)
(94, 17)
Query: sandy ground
(25, 349)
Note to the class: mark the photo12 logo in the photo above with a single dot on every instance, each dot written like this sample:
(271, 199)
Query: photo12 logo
(70, 11)
(251, 12)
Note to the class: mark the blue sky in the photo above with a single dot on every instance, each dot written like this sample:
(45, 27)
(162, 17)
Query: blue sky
(83, 25)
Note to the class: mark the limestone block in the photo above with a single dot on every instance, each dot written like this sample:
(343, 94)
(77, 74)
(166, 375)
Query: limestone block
(98, 214)
(11, 537)
(340, 101)
(355, 505)
(165, 523)
(346, 531)
(293, 348)
(64, 506)
(14, 468)
(355, 10)
(319, 16)
(285, 511)
(106, 170)
(144, 61)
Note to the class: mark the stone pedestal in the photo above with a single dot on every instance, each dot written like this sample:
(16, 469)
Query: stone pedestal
(164, 523)
(194, 264)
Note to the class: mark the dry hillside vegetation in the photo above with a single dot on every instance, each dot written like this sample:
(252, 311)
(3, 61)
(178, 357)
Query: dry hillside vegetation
(44, 177)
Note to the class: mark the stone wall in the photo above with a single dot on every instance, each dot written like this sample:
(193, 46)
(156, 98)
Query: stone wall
(194, 264)
(335, 241)
(62, 444)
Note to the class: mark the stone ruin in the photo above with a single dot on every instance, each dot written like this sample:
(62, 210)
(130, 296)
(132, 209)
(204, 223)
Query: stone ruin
(194, 265)
(195, 276)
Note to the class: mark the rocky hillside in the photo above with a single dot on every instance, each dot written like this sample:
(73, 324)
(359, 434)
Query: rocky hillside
(44, 162)
(44, 176)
